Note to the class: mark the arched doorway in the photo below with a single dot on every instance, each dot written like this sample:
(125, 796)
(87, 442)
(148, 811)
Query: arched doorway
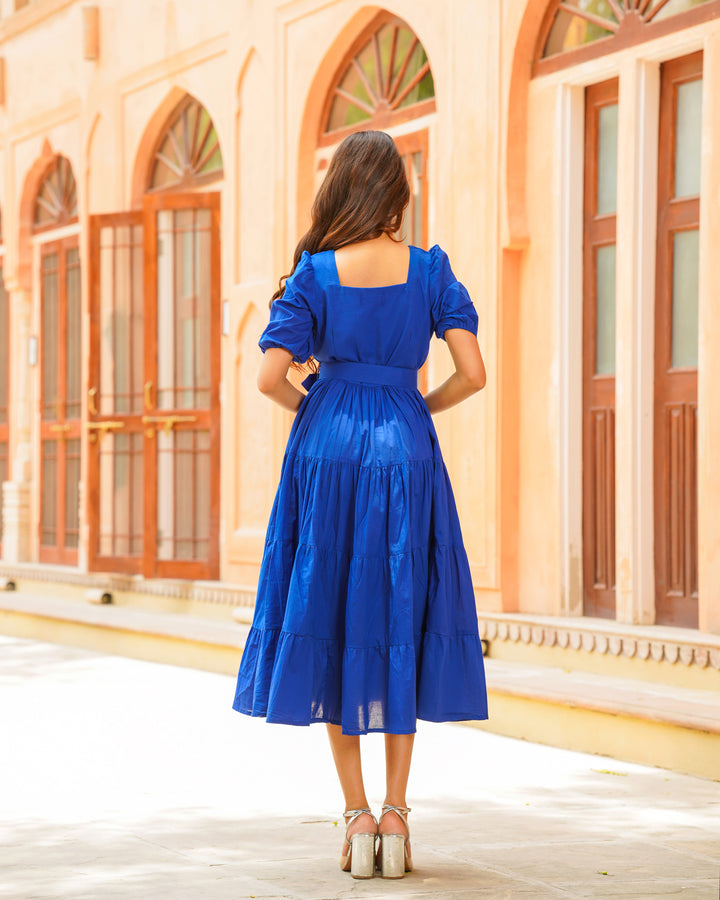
(154, 410)
(60, 357)
(572, 33)
(385, 82)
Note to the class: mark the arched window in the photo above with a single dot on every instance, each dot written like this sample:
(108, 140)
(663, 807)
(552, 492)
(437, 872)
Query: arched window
(384, 79)
(56, 200)
(576, 30)
(188, 153)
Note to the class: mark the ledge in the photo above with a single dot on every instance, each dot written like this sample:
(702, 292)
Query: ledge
(156, 624)
(203, 591)
(684, 646)
(680, 707)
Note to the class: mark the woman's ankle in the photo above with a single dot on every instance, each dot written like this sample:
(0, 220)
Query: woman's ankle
(361, 804)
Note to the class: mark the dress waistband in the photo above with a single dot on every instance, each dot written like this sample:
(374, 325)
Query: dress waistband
(368, 373)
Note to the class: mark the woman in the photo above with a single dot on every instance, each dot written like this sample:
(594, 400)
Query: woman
(365, 615)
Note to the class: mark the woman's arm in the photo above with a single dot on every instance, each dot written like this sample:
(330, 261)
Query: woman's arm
(272, 379)
(469, 375)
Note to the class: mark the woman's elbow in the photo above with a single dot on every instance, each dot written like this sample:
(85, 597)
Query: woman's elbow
(480, 380)
(475, 379)
(266, 383)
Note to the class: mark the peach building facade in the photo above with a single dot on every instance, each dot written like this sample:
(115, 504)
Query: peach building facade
(157, 163)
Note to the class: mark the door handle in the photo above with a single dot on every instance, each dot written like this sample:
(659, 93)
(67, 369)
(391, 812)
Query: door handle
(166, 423)
(98, 430)
(62, 429)
(92, 406)
(147, 390)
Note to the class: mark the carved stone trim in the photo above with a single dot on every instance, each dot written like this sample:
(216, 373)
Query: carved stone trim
(592, 640)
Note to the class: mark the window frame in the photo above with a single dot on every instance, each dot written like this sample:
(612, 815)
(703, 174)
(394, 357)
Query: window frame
(382, 121)
(629, 36)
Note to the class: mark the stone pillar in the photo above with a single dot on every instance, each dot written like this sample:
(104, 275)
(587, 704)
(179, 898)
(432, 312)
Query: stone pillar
(16, 521)
(635, 333)
(17, 544)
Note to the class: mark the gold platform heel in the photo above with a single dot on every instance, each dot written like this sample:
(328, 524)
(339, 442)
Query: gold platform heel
(394, 858)
(360, 861)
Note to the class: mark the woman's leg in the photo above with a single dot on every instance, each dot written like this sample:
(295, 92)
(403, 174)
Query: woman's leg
(398, 756)
(346, 753)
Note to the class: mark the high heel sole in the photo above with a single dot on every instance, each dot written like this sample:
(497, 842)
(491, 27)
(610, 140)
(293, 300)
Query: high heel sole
(393, 861)
(362, 855)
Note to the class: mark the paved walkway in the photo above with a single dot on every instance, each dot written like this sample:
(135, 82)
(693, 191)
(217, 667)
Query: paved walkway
(127, 780)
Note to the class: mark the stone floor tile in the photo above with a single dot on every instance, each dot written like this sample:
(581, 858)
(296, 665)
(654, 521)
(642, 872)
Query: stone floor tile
(128, 780)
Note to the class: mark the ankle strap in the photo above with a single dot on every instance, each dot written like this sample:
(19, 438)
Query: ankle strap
(400, 810)
(354, 813)
(357, 812)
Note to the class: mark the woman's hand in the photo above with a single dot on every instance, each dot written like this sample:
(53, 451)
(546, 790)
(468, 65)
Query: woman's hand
(272, 379)
(469, 376)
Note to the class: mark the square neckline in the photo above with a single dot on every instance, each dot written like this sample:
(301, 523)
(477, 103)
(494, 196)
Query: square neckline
(377, 287)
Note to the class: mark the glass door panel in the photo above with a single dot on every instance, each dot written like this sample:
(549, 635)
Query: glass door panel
(120, 496)
(121, 343)
(50, 336)
(49, 486)
(72, 493)
(183, 495)
(607, 159)
(687, 138)
(686, 271)
(182, 278)
(73, 353)
(60, 361)
(605, 282)
(184, 300)
(117, 394)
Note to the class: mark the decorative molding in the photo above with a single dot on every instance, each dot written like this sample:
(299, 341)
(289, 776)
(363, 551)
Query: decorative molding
(91, 32)
(703, 651)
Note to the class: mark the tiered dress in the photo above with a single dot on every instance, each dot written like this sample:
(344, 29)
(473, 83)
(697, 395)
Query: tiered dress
(365, 614)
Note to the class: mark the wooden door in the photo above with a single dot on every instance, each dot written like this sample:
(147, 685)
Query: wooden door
(116, 479)
(60, 374)
(601, 117)
(413, 149)
(154, 391)
(182, 367)
(676, 343)
(4, 391)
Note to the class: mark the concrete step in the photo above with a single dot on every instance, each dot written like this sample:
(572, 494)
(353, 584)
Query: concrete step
(630, 719)
(175, 638)
(673, 727)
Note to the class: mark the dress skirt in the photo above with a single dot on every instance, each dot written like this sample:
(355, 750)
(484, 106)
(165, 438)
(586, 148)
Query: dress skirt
(365, 614)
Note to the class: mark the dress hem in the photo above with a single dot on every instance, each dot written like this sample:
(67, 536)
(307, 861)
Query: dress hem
(480, 716)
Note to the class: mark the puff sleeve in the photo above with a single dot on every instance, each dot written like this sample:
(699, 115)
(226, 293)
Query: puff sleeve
(450, 303)
(292, 324)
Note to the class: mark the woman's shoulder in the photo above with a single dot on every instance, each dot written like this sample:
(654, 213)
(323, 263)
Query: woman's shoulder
(432, 258)
(322, 265)
(434, 262)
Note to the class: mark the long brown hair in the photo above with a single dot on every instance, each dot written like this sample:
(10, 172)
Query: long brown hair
(363, 195)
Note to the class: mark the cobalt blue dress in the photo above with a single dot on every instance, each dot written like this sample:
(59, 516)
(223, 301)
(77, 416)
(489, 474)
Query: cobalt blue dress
(365, 614)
